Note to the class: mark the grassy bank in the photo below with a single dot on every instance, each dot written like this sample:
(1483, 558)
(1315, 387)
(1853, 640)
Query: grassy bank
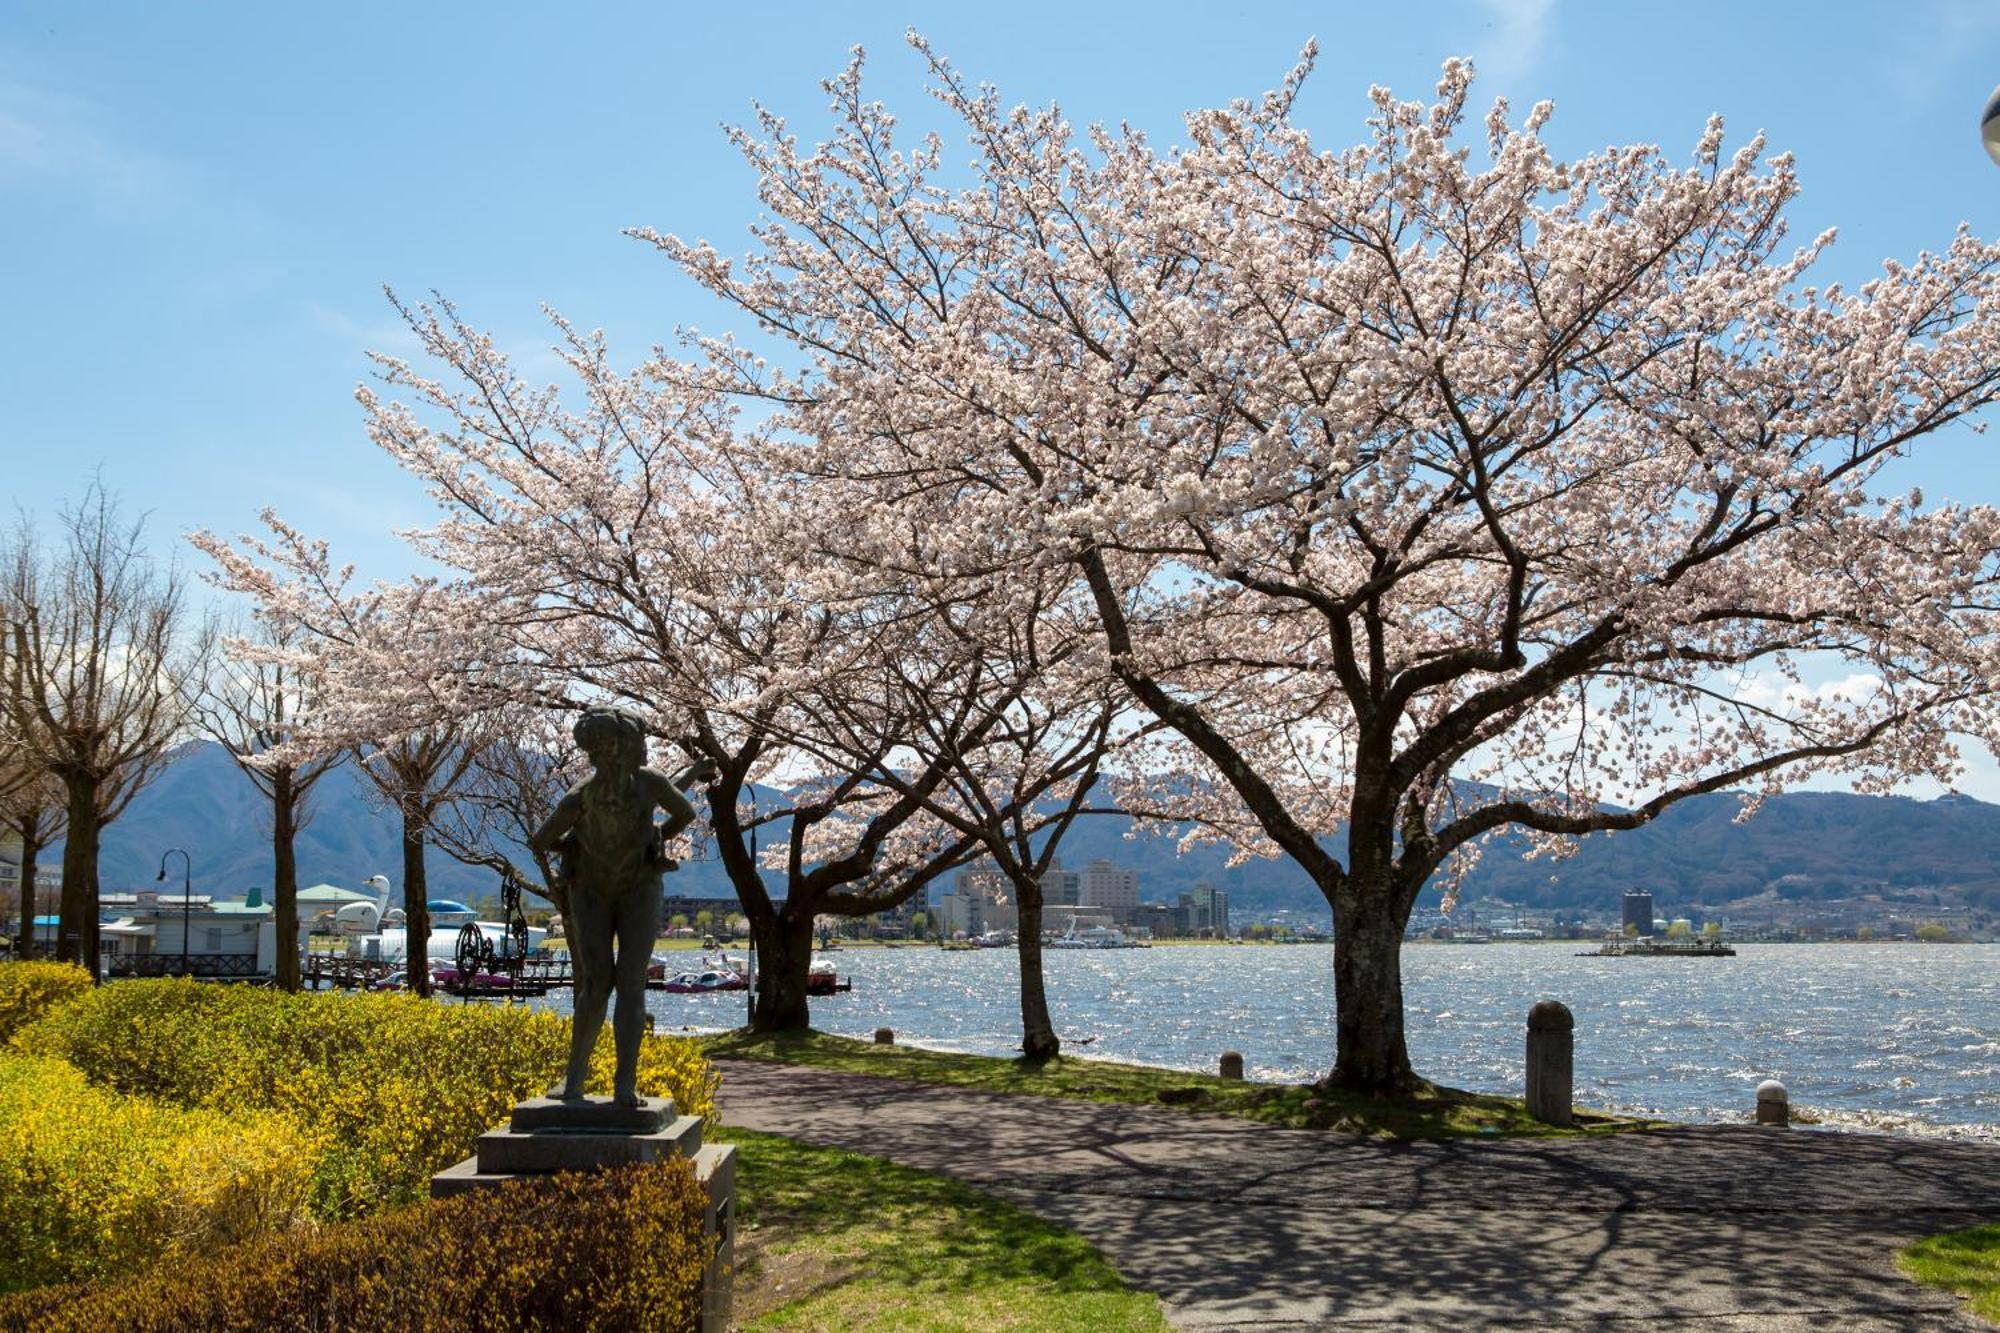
(1439, 1113)
(831, 1240)
(1967, 1262)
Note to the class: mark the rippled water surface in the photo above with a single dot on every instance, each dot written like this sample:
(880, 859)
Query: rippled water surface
(1864, 1033)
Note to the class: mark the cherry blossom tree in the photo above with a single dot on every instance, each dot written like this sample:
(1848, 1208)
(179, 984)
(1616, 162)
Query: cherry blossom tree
(254, 707)
(405, 675)
(642, 548)
(986, 672)
(1389, 468)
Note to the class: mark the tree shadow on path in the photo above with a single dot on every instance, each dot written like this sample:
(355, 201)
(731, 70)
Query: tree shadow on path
(1237, 1224)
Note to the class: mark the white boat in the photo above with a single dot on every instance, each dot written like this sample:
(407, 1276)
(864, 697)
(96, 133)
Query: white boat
(1094, 937)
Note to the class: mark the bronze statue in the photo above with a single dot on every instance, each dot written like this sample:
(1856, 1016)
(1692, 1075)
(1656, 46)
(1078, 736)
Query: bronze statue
(611, 857)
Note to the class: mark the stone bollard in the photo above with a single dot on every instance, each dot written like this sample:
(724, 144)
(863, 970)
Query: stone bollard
(1774, 1104)
(1232, 1065)
(1551, 1062)
(885, 1036)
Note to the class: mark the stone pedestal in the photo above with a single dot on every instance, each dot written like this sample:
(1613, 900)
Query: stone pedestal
(545, 1135)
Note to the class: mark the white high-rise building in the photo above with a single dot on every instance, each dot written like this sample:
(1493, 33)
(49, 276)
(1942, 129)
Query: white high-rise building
(980, 900)
(1103, 884)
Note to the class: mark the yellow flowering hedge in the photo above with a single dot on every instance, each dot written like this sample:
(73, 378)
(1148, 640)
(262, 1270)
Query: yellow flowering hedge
(619, 1250)
(92, 1182)
(393, 1087)
(30, 990)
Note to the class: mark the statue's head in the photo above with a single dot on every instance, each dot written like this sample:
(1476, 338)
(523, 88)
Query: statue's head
(613, 738)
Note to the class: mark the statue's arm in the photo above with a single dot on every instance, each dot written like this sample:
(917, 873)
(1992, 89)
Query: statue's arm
(679, 810)
(560, 822)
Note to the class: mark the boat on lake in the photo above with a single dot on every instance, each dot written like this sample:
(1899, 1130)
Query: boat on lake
(711, 972)
(701, 983)
(823, 978)
(1094, 937)
(1649, 947)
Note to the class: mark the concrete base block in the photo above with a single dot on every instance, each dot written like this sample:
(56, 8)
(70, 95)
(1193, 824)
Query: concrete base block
(463, 1178)
(592, 1116)
(715, 1168)
(505, 1152)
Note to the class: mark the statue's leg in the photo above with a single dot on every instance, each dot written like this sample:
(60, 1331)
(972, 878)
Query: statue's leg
(589, 927)
(638, 926)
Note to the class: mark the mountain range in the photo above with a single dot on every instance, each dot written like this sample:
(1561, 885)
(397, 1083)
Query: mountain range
(1804, 845)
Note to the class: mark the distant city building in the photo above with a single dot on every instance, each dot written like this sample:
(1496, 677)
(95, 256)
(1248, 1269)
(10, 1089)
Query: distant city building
(899, 921)
(1638, 911)
(1205, 911)
(1106, 885)
(980, 900)
(958, 913)
(1061, 888)
(1158, 920)
(679, 904)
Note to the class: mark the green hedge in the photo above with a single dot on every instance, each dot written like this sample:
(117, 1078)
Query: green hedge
(29, 991)
(391, 1088)
(621, 1250)
(94, 1183)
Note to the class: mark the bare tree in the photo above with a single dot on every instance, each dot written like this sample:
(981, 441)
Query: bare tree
(31, 810)
(509, 791)
(417, 773)
(254, 705)
(103, 655)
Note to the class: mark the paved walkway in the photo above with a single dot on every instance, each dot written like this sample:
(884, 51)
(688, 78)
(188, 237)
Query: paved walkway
(1239, 1226)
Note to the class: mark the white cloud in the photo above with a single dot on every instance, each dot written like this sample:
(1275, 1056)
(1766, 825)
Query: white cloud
(1766, 690)
(1518, 39)
(47, 138)
(387, 335)
(1932, 54)
(533, 357)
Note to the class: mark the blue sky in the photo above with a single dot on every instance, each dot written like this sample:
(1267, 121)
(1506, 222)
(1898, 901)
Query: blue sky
(200, 204)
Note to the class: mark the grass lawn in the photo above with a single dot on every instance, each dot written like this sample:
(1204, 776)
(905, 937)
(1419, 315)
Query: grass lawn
(559, 944)
(832, 1240)
(1967, 1262)
(1440, 1113)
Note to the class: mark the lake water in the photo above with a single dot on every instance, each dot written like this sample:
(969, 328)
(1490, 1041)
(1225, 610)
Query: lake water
(1883, 1035)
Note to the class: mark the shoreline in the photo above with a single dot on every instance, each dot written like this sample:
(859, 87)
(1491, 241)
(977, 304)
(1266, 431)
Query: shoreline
(1805, 1117)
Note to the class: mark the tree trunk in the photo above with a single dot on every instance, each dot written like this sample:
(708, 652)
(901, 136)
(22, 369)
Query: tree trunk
(285, 878)
(416, 900)
(784, 957)
(1038, 1033)
(31, 856)
(1371, 1056)
(76, 924)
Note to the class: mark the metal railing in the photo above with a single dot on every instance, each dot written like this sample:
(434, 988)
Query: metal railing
(173, 965)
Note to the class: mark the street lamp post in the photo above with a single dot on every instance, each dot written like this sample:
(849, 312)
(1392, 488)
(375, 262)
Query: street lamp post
(187, 895)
